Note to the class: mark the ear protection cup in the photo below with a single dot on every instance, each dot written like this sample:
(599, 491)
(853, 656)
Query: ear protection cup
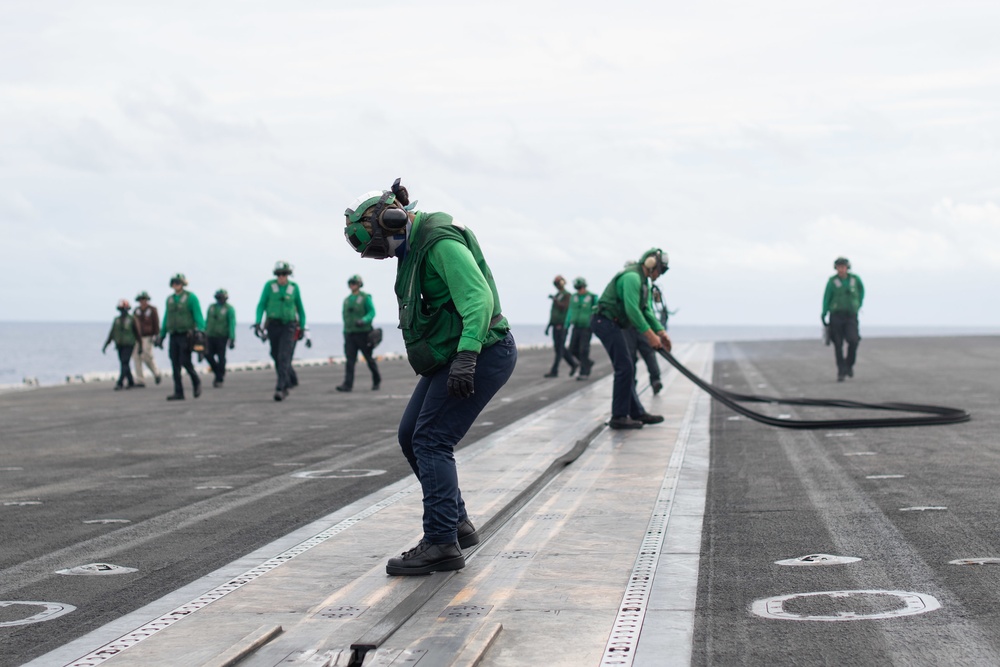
(655, 260)
(393, 219)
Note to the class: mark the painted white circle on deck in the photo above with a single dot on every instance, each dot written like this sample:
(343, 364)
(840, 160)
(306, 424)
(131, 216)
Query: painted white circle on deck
(908, 604)
(51, 610)
(337, 474)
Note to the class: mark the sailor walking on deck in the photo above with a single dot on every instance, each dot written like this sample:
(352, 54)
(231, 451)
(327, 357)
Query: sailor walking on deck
(557, 324)
(125, 335)
(456, 339)
(580, 312)
(220, 329)
(358, 313)
(182, 321)
(842, 300)
(281, 301)
(626, 302)
(148, 319)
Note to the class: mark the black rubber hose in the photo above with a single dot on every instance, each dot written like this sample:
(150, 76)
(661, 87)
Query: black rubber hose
(935, 414)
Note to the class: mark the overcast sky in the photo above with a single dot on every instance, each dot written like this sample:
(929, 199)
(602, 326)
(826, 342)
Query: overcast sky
(754, 142)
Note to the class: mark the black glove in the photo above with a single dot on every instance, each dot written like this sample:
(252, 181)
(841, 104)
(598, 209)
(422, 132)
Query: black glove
(104, 350)
(547, 329)
(822, 319)
(258, 331)
(158, 342)
(309, 343)
(462, 375)
(232, 343)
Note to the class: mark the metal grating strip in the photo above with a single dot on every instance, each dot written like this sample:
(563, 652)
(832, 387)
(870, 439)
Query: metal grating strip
(620, 649)
(129, 640)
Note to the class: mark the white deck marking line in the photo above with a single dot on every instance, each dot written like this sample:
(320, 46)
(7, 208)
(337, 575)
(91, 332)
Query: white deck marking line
(624, 639)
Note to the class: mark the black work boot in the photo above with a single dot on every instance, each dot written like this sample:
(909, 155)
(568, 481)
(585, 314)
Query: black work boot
(647, 418)
(467, 534)
(619, 423)
(426, 558)
(342, 387)
(175, 397)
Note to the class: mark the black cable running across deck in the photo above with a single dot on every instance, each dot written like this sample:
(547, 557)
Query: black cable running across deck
(935, 414)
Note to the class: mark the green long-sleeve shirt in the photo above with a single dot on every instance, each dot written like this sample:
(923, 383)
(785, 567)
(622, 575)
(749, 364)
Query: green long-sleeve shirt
(282, 303)
(626, 300)
(183, 313)
(581, 309)
(448, 301)
(220, 321)
(358, 312)
(843, 296)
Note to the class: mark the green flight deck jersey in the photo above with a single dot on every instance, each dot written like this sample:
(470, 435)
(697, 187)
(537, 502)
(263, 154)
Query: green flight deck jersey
(560, 306)
(281, 303)
(843, 296)
(182, 314)
(220, 321)
(359, 311)
(581, 309)
(448, 301)
(123, 331)
(626, 300)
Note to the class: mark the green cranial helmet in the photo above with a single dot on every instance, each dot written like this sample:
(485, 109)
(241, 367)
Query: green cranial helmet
(654, 258)
(142, 295)
(370, 221)
(356, 232)
(178, 278)
(579, 282)
(841, 261)
(355, 280)
(282, 268)
(221, 294)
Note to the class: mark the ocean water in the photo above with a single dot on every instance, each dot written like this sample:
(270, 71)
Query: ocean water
(49, 353)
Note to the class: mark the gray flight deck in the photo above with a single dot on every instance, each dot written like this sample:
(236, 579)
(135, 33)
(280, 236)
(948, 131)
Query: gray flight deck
(259, 531)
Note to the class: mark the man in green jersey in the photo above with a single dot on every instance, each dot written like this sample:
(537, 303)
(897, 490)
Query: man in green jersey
(281, 301)
(456, 339)
(579, 314)
(125, 335)
(358, 312)
(220, 329)
(625, 302)
(557, 324)
(842, 300)
(181, 320)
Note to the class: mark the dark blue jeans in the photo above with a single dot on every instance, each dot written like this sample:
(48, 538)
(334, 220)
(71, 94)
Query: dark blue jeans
(844, 329)
(624, 399)
(215, 354)
(180, 357)
(282, 337)
(355, 342)
(434, 422)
